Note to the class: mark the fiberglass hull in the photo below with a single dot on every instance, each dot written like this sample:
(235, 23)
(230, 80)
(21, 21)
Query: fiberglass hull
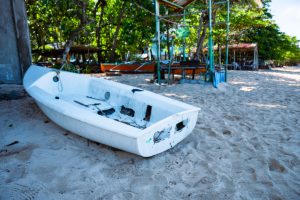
(114, 114)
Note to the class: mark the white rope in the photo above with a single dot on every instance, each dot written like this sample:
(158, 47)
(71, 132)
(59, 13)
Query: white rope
(164, 19)
(155, 14)
(59, 84)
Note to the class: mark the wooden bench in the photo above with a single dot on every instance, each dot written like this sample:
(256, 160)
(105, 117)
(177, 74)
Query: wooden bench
(185, 68)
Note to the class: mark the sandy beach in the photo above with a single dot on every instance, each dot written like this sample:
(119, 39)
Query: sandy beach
(246, 145)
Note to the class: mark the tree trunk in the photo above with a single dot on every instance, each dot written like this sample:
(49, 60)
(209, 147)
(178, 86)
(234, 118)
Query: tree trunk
(168, 40)
(102, 4)
(116, 34)
(82, 25)
(203, 25)
(201, 36)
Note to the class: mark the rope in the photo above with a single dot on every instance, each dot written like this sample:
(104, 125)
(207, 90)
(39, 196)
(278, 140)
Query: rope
(189, 13)
(62, 67)
(60, 85)
(141, 7)
(164, 17)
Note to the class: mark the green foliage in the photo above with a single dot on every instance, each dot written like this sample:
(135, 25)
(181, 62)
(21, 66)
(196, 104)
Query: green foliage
(272, 44)
(183, 32)
(54, 21)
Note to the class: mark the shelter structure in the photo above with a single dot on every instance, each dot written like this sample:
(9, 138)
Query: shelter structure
(240, 56)
(215, 76)
(176, 5)
(243, 56)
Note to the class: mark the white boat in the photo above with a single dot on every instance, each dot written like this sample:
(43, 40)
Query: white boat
(111, 113)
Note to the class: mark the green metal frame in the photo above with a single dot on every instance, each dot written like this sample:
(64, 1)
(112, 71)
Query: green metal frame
(227, 37)
(211, 67)
(184, 40)
(210, 40)
(157, 27)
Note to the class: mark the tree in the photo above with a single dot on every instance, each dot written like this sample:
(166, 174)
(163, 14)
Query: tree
(117, 27)
(272, 44)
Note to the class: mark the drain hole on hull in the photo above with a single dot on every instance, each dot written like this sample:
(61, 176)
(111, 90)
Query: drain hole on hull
(55, 79)
(181, 125)
(148, 113)
(127, 111)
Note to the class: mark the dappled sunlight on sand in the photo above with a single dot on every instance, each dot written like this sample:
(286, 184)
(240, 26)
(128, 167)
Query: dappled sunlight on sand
(286, 73)
(295, 77)
(294, 84)
(243, 83)
(266, 105)
(288, 69)
(176, 95)
(247, 89)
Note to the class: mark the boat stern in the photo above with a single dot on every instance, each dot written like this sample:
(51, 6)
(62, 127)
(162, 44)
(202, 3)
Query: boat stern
(165, 134)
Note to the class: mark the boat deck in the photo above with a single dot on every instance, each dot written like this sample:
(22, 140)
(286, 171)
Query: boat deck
(103, 108)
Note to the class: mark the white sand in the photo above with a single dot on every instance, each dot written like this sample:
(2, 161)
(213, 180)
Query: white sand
(246, 145)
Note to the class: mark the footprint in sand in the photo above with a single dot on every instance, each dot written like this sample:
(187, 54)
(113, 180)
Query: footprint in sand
(232, 117)
(121, 170)
(121, 195)
(55, 144)
(246, 126)
(208, 179)
(18, 191)
(20, 150)
(16, 173)
(274, 165)
(146, 187)
(227, 132)
(210, 131)
(45, 173)
(253, 173)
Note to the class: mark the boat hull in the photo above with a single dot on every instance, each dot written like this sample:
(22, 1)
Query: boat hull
(89, 131)
(166, 127)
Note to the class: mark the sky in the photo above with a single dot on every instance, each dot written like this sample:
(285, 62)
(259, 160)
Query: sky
(286, 14)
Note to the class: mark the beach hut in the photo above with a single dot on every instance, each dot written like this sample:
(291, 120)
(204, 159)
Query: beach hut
(244, 56)
(240, 56)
